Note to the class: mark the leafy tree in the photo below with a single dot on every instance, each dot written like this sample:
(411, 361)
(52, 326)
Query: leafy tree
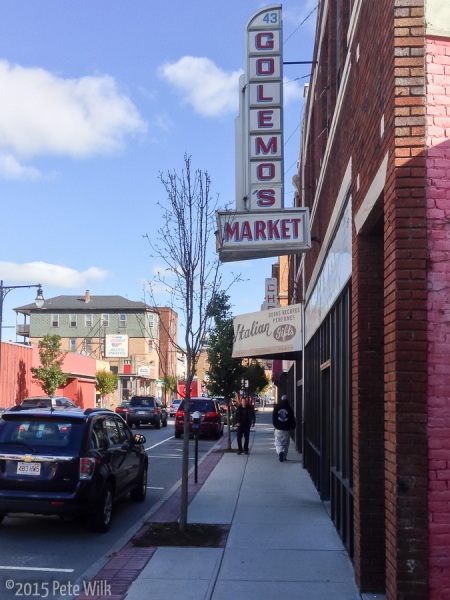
(106, 383)
(170, 383)
(185, 245)
(225, 372)
(50, 375)
(257, 379)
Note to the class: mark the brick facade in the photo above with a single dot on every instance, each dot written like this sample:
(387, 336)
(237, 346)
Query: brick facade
(438, 332)
(376, 131)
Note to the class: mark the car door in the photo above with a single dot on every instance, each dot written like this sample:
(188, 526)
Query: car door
(117, 452)
(134, 453)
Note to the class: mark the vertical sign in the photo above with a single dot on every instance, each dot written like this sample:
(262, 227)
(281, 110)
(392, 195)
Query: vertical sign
(271, 294)
(264, 110)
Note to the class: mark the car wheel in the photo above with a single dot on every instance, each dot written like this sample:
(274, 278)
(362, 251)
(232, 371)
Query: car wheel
(139, 493)
(177, 434)
(137, 424)
(102, 517)
(158, 424)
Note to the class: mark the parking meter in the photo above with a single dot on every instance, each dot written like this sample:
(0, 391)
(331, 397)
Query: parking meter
(196, 422)
(195, 430)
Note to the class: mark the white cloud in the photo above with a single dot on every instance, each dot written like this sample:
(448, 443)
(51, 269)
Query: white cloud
(211, 91)
(48, 274)
(10, 168)
(41, 114)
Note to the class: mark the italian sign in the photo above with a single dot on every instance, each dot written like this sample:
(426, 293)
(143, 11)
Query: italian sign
(268, 332)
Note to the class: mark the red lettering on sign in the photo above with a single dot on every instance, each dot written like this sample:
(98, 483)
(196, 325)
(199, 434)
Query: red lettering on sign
(265, 171)
(265, 118)
(264, 41)
(265, 198)
(273, 229)
(260, 94)
(265, 67)
(262, 148)
(262, 230)
(246, 231)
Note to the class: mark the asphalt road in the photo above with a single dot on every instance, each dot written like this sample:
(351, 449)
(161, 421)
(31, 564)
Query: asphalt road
(46, 557)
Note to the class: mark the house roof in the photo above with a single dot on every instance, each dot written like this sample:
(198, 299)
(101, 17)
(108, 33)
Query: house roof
(79, 304)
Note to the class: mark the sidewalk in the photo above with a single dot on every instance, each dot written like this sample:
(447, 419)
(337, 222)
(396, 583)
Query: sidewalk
(281, 543)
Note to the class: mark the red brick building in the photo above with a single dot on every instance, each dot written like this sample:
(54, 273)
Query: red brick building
(374, 376)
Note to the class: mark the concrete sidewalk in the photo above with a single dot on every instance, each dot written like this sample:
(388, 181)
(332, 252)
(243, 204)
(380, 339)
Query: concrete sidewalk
(281, 544)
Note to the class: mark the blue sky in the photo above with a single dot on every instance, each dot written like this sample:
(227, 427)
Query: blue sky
(100, 96)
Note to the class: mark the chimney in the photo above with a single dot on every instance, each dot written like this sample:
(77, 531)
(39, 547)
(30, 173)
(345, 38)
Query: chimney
(87, 297)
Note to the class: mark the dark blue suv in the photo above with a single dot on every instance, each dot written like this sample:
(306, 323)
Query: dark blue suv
(69, 463)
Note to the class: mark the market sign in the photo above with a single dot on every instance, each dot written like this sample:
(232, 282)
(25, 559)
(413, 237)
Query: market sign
(261, 227)
(116, 346)
(261, 234)
(268, 332)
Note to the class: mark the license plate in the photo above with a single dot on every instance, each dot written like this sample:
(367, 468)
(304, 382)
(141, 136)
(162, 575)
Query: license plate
(141, 412)
(28, 468)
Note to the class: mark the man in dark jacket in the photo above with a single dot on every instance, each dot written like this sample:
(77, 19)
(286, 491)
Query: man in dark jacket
(283, 419)
(245, 419)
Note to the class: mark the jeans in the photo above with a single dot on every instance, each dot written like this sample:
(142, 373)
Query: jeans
(243, 431)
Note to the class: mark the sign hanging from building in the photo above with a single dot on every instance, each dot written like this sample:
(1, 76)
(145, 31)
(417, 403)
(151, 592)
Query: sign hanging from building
(259, 127)
(258, 234)
(261, 227)
(268, 332)
(270, 294)
(116, 346)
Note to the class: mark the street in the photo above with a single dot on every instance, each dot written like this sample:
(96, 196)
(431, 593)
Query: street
(45, 557)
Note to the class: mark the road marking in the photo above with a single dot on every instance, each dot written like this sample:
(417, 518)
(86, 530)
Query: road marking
(36, 569)
(159, 443)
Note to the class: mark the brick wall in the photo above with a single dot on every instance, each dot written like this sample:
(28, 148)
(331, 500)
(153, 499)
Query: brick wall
(438, 206)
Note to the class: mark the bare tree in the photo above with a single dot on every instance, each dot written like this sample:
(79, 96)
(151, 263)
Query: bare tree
(191, 276)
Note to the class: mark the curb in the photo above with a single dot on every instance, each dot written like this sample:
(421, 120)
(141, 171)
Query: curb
(114, 579)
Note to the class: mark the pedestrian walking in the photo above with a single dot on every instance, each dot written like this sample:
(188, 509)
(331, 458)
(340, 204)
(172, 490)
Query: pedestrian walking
(245, 419)
(283, 419)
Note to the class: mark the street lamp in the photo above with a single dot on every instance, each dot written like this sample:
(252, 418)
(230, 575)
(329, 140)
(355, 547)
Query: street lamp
(4, 290)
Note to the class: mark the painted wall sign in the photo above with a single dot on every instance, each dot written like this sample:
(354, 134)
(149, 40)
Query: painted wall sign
(268, 332)
(245, 235)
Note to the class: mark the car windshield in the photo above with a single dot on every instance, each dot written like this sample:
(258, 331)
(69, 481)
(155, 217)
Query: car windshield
(202, 405)
(36, 433)
(143, 402)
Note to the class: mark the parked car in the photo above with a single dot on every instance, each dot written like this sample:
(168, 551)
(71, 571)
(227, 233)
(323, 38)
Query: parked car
(146, 410)
(223, 408)
(56, 402)
(174, 407)
(69, 463)
(211, 421)
(122, 410)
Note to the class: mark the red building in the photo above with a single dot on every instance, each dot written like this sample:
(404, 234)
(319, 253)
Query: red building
(16, 382)
(373, 380)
